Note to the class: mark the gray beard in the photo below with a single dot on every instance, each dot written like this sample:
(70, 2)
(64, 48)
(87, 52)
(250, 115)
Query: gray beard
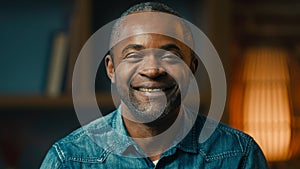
(154, 110)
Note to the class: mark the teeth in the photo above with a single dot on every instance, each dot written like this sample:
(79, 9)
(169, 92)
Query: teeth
(150, 90)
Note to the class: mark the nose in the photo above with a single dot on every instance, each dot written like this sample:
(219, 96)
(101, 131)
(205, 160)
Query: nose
(152, 68)
(152, 72)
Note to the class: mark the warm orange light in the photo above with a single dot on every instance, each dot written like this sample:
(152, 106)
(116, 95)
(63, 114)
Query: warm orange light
(260, 102)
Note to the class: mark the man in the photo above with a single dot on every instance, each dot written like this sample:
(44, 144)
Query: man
(151, 64)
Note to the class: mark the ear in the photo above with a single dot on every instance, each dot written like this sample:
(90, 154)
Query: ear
(194, 64)
(110, 69)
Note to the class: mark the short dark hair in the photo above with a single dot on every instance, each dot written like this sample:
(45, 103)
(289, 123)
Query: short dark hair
(150, 6)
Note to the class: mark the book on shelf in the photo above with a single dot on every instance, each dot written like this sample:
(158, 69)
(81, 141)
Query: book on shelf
(57, 65)
(80, 31)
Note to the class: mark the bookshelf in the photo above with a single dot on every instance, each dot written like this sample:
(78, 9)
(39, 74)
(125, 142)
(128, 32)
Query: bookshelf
(46, 78)
(34, 115)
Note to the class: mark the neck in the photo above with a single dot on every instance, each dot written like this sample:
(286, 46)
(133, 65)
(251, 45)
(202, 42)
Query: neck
(149, 130)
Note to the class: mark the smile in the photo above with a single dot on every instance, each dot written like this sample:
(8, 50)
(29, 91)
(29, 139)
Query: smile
(151, 90)
(156, 90)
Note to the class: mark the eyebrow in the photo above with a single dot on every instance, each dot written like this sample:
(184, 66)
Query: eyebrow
(169, 47)
(133, 46)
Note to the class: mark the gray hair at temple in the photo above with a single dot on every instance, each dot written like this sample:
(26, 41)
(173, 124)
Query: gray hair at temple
(150, 7)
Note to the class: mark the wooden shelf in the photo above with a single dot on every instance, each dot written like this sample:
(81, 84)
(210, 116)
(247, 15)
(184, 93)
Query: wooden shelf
(40, 101)
(34, 101)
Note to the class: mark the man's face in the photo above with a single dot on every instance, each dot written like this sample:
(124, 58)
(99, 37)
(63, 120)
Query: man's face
(150, 73)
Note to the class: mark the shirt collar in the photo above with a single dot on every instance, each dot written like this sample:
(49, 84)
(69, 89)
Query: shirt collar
(124, 140)
(189, 144)
(118, 123)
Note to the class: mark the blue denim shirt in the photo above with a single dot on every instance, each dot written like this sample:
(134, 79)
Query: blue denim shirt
(225, 148)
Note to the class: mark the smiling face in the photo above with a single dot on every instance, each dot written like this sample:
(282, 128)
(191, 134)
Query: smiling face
(150, 73)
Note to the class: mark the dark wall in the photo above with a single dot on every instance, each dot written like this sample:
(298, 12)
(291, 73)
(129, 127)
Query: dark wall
(26, 34)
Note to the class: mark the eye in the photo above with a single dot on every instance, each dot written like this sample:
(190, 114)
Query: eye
(133, 57)
(171, 58)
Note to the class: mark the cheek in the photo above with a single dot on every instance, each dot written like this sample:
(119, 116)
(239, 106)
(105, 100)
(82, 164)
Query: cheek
(181, 73)
(124, 73)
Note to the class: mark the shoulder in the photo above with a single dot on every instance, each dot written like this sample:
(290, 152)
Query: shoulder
(235, 137)
(226, 141)
(78, 146)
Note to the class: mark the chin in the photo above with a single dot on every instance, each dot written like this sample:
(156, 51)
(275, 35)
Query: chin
(157, 113)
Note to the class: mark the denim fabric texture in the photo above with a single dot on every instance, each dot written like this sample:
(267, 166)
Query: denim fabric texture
(226, 148)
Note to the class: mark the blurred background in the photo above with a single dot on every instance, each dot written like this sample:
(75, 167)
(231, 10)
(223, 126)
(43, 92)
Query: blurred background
(258, 43)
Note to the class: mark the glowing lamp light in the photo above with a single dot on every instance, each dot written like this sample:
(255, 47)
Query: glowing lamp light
(264, 101)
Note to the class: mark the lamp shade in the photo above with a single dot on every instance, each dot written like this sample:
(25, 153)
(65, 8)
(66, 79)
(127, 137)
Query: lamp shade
(262, 102)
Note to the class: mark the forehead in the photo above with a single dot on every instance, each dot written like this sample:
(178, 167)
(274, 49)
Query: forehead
(150, 23)
(150, 41)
